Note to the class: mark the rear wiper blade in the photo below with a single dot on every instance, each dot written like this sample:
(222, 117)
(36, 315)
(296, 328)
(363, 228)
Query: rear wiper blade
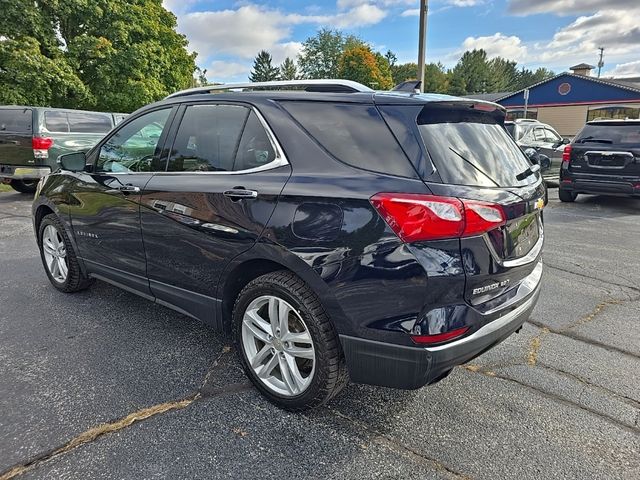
(595, 140)
(529, 171)
(474, 166)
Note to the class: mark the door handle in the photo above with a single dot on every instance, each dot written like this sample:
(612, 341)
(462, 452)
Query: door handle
(240, 193)
(125, 189)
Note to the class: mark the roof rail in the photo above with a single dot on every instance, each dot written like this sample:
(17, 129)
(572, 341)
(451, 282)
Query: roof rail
(332, 86)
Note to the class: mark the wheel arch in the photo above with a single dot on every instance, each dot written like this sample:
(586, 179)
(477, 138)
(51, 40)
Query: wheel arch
(251, 265)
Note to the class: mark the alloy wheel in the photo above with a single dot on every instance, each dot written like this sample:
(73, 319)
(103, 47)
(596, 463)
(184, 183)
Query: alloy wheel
(55, 254)
(278, 345)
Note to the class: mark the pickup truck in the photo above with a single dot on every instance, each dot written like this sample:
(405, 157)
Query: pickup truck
(32, 138)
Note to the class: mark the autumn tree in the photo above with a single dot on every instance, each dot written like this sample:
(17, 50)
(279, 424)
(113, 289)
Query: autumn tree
(321, 53)
(359, 63)
(263, 69)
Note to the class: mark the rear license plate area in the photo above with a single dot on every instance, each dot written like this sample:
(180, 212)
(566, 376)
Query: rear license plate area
(523, 235)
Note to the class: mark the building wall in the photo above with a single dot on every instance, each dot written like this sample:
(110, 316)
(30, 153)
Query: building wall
(567, 120)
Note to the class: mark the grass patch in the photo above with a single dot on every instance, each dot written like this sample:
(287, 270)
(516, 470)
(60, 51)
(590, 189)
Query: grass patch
(5, 188)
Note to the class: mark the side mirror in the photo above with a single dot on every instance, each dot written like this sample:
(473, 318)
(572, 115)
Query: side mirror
(565, 141)
(532, 153)
(74, 162)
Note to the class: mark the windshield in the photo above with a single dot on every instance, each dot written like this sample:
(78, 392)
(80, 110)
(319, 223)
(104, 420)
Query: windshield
(472, 148)
(619, 134)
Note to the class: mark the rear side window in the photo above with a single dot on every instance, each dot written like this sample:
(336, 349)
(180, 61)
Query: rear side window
(56, 122)
(207, 138)
(15, 120)
(354, 134)
(620, 134)
(472, 148)
(77, 122)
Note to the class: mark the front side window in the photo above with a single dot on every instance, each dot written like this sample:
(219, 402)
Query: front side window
(134, 146)
(551, 136)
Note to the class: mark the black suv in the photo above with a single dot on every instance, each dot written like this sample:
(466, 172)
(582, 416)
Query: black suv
(604, 158)
(338, 233)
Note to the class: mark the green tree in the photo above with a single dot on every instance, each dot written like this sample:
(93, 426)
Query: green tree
(391, 58)
(263, 70)
(435, 78)
(457, 83)
(386, 79)
(27, 77)
(503, 75)
(473, 68)
(321, 53)
(359, 63)
(403, 72)
(200, 77)
(125, 53)
(288, 70)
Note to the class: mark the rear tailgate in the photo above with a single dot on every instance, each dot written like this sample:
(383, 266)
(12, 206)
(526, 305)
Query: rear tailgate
(474, 158)
(16, 131)
(607, 148)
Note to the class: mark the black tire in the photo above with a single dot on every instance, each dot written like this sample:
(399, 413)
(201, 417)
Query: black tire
(75, 279)
(24, 186)
(330, 374)
(566, 196)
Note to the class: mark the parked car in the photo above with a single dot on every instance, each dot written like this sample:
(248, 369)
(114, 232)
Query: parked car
(530, 133)
(31, 138)
(604, 158)
(335, 232)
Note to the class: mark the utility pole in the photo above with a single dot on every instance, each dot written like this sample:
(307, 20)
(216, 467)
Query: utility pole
(422, 45)
(600, 62)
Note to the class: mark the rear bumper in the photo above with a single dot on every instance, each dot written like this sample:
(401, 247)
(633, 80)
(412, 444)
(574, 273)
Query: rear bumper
(397, 366)
(603, 185)
(19, 172)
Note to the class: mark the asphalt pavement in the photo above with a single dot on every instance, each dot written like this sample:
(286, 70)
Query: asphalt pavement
(105, 385)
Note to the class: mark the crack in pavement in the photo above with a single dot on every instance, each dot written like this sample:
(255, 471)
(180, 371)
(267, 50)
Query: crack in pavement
(98, 431)
(580, 274)
(583, 339)
(396, 446)
(557, 398)
(534, 347)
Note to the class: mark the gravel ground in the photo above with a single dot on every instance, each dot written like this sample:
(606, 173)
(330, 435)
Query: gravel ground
(561, 399)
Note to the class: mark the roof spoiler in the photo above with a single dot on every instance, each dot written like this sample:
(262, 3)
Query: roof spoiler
(411, 86)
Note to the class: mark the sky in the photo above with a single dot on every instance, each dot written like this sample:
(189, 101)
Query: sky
(228, 34)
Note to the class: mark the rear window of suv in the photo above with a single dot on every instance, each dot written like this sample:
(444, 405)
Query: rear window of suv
(612, 133)
(355, 134)
(469, 147)
(15, 120)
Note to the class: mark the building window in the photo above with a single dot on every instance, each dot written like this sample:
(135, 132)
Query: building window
(613, 112)
(532, 113)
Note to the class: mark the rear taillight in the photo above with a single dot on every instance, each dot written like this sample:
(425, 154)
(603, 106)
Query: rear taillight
(566, 154)
(41, 146)
(416, 217)
(439, 337)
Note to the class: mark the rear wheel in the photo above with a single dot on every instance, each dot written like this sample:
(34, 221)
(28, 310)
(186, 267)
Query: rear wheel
(286, 343)
(566, 196)
(24, 186)
(59, 258)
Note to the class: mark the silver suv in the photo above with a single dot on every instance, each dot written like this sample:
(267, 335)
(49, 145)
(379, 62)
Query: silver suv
(544, 139)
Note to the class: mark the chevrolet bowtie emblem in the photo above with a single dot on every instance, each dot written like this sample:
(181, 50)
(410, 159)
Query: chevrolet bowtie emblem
(539, 204)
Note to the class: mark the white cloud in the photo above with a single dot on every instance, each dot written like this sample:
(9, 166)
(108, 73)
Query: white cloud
(250, 28)
(281, 51)
(221, 71)
(411, 12)
(567, 7)
(343, 4)
(629, 69)
(498, 45)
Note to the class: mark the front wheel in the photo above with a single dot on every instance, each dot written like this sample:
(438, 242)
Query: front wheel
(58, 256)
(24, 186)
(566, 196)
(286, 342)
